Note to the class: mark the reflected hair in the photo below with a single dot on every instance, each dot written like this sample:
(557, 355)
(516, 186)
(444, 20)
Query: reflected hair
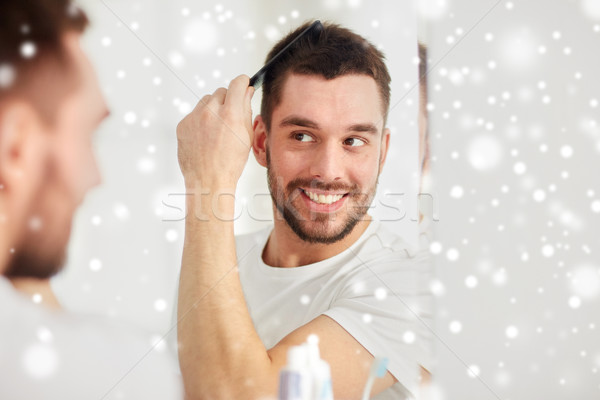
(31, 49)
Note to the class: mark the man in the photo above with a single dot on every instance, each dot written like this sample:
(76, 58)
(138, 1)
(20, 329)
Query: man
(50, 105)
(325, 267)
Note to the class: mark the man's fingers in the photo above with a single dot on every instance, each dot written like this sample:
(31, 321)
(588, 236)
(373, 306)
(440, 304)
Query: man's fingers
(249, 94)
(203, 102)
(237, 91)
(218, 95)
(248, 100)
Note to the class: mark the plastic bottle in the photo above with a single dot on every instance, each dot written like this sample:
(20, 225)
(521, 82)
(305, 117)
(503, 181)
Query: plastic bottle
(295, 378)
(320, 371)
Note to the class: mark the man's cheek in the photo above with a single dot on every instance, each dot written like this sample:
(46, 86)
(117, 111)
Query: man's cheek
(68, 172)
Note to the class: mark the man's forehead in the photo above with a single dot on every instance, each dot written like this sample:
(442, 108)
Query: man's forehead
(84, 93)
(353, 95)
(295, 80)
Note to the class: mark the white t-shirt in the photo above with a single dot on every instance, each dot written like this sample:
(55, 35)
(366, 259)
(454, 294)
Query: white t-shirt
(377, 290)
(51, 354)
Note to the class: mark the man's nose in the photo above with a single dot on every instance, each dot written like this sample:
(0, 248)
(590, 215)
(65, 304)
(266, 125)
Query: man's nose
(327, 162)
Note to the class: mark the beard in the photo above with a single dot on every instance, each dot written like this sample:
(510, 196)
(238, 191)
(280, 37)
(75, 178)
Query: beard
(41, 252)
(29, 262)
(318, 227)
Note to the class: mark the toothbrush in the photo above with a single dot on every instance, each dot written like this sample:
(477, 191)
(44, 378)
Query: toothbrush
(378, 369)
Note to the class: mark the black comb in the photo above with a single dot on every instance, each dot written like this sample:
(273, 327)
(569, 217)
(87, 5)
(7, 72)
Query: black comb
(257, 79)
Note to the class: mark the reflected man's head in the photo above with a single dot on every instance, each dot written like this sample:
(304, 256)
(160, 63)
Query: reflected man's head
(321, 133)
(50, 104)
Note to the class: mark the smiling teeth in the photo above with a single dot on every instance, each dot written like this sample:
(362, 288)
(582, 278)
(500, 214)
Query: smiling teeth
(324, 199)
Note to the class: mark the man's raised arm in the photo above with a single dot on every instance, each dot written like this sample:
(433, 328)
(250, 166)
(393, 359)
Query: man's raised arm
(220, 352)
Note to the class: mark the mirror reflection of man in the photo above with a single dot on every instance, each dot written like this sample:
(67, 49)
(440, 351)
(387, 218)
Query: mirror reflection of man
(325, 267)
(50, 105)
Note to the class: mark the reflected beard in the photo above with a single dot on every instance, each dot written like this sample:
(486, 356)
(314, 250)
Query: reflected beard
(39, 254)
(298, 223)
(29, 262)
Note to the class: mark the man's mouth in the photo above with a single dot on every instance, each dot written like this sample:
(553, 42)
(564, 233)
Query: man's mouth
(324, 198)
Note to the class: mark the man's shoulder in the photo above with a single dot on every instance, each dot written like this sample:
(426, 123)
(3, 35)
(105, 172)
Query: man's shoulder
(93, 353)
(384, 254)
(380, 239)
(26, 322)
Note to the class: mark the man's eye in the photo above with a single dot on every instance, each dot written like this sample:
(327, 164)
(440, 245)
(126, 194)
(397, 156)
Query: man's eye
(354, 142)
(303, 137)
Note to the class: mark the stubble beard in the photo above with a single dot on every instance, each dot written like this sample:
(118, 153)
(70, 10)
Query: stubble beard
(356, 206)
(39, 254)
(27, 262)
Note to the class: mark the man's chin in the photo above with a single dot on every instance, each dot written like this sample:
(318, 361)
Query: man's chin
(29, 264)
(324, 231)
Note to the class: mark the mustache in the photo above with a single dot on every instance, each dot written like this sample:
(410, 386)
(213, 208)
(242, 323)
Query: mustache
(317, 184)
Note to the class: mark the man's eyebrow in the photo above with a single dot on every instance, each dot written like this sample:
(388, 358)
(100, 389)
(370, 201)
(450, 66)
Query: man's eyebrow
(367, 127)
(295, 120)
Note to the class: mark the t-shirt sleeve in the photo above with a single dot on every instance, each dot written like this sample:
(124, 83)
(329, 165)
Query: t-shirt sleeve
(386, 305)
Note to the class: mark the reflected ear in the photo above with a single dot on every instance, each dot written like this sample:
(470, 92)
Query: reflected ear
(385, 144)
(259, 145)
(22, 145)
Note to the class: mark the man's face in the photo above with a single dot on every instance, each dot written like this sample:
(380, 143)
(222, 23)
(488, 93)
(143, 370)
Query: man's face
(70, 171)
(324, 154)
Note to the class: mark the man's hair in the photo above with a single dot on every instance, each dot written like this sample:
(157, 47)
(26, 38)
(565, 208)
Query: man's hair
(31, 34)
(330, 52)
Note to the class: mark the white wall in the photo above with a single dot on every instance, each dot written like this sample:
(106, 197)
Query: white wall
(515, 147)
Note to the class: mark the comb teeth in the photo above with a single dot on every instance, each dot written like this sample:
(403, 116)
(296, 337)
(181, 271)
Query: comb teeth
(258, 78)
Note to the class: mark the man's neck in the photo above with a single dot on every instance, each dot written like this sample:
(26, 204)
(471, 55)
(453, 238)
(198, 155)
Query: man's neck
(285, 249)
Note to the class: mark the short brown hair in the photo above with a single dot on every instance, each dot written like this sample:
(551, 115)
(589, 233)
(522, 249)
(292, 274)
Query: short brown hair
(330, 52)
(41, 25)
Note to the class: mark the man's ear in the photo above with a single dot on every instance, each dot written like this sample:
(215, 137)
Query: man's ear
(259, 145)
(385, 144)
(22, 145)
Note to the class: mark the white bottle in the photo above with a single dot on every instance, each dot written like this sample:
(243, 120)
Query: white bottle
(320, 371)
(295, 378)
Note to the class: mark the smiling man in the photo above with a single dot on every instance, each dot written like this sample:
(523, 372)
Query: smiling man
(325, 267)
(50, 106)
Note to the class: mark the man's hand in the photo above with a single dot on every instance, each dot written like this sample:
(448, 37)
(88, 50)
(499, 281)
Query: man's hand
(215, 138)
